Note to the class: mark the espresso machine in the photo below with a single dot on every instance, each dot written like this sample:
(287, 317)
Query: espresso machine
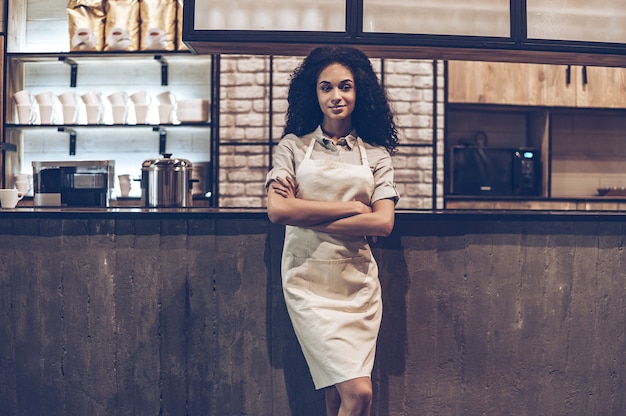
(73, 183)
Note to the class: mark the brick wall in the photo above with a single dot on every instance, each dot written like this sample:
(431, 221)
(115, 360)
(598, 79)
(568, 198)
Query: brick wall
(245, 126)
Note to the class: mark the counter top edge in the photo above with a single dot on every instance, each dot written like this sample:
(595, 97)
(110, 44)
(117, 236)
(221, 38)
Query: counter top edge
(261, 214)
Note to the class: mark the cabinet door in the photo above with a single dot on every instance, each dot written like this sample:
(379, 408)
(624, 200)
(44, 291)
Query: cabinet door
(601, 87)
(512, 84)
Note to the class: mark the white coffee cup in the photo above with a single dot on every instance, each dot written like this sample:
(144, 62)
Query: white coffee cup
(25, 113)
(156, 38)
(141, 113)
(45, 98)
(22, 186)
(45, 114)
(22, 177)
(68, 98)
(125, 184)
(9, 198)
(120, 112)
(141, 98)
(69, 114)
(165, 113)
(83, 39)
(23, 97)
(166, 98)
(93, 113)
(91, 98)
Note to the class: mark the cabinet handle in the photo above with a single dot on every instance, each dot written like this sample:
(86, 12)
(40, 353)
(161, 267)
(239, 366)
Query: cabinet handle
(584, 74)
(568, 75)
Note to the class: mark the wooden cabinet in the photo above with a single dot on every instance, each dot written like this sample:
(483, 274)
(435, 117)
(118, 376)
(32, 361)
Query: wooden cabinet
(536, 84)
(508, 84)
(574, 115)
(601, 87)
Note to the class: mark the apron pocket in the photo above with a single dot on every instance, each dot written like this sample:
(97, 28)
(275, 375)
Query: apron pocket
(318, 281)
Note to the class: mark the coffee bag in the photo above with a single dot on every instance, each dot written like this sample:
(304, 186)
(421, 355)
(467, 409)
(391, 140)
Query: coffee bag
(86, 24)
(122, 25)
(179, 27)
(158, 24)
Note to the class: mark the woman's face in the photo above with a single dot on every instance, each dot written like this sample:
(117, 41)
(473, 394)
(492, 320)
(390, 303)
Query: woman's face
(336, 92)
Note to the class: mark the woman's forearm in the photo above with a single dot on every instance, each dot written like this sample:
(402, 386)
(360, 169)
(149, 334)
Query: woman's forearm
(306, 213)
(379, 222)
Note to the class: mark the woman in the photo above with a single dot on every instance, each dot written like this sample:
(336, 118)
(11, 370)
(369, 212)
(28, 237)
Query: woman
(332, 185)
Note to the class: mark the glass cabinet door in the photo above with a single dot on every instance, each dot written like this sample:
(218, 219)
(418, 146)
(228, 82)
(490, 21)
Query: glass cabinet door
(578, 20)
(292, 15)
(438, 17)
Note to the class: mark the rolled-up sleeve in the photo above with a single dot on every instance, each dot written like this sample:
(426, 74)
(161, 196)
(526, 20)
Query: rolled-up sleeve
(384, 185)
(283, 162)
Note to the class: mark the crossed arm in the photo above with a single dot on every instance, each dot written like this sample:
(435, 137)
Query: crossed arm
(338, 217)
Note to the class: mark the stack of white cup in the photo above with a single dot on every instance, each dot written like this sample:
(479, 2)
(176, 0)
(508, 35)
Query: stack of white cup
(93, 107)
(141, 101)
(119, 107)
(69, 105)
(26, 111)
(45, 100)
(167, 107)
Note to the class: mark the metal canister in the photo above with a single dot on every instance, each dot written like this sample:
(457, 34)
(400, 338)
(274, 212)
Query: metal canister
(166, 182)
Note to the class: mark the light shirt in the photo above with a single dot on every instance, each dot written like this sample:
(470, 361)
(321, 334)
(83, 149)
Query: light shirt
(291, 150)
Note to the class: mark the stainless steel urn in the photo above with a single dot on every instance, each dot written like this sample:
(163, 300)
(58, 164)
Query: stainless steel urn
(166, 182)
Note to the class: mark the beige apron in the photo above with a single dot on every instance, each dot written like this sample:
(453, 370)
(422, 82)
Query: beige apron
(330, 281)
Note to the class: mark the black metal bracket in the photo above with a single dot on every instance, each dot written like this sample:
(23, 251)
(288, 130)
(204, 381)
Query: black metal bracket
(8, 147)
(164, 66)
(162, 138)
(73, 69)
(72, 133)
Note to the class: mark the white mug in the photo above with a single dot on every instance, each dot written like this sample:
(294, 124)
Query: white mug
(22, 186)
(9, 198)
(23, 97)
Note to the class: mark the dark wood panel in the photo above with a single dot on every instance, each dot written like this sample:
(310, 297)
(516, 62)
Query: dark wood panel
(500, 314)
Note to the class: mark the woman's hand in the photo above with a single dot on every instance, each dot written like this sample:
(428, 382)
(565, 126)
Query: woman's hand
(284, 187)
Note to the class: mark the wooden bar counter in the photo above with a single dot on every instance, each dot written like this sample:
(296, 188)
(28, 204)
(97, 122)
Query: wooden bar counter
(180, 312)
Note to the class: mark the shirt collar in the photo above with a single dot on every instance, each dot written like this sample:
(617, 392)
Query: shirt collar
(348, 141)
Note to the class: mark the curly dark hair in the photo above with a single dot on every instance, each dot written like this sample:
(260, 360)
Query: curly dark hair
(372, 116)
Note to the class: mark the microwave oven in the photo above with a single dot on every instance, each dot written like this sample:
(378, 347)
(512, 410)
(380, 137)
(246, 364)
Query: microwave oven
(483, 170)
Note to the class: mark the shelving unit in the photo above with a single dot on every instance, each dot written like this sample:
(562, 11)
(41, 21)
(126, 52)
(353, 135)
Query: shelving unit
(184, 75)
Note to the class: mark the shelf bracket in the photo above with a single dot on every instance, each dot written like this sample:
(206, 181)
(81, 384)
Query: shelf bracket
(162, 138)
(73, 69)
(8, 147)
(164, 80)
(72, 133)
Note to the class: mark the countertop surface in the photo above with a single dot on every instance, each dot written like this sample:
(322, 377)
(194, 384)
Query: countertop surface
(261, 213)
